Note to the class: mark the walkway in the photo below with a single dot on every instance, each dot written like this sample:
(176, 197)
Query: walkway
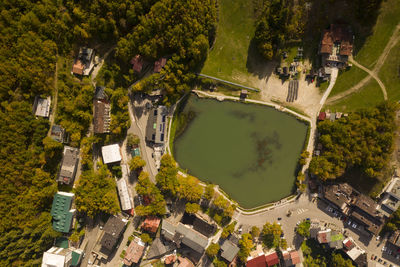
(55, 98)
(394, 39)
(228, 82)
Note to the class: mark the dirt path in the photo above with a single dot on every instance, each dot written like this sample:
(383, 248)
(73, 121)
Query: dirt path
(55, 99)
(372, 73)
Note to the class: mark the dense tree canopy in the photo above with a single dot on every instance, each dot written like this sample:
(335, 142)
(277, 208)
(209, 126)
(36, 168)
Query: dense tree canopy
(362, 140)
(166, 178)
(153, 200)
(271, 235)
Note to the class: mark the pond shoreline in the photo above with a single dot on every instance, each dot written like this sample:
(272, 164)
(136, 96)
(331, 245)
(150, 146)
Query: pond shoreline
(299, 117)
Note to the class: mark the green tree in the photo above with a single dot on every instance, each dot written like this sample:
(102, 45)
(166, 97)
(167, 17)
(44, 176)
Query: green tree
(339, 261)
(255, 231)
(189, 188)
(166, 178)
(192, 208)
(245, 245)
(219, 263)
(212, 250)
(271, 235)
(209, 192)
(303, 228)
(227, 230)
(137, 163)
(146, 238)
(151, 194)
(132, 140)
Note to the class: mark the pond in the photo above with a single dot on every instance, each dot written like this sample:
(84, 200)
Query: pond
(251, 151)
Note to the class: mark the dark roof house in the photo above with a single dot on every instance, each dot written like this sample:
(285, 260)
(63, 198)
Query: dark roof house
(58, 134)
(157, 249)
(102, 112)
(229, 250)
(137, 62)
(110, 236)
(395, 238)
(84, 62)
(336, 44)
(68, 165)
(365, 211)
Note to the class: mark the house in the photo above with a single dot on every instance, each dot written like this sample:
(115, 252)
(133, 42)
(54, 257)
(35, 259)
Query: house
(159, 64)
(295, 257)
(395, 238)
(134, 252)
(61, 212)
(348, 243)
(68, 165)
(157, 249)
(150, 224)
(84, 62)
(41, 107)
(365, 211)
(243, 94)
(184, 262)
(324, 236)
(124, 196)
(322, 116)
(340, 195)
(258, 261)
(77, 256)
(272, 259)
(111, 154)
(182, 234)
(58, 134)
(391, 198)
(170, 259)
(102, 112)
(57, 257)
(137, 62)
(156, 124)
(287, 261)
(333, 116)
(203, 227)
(109, 237)
(336, 45)
(229, 250)
(354, 252)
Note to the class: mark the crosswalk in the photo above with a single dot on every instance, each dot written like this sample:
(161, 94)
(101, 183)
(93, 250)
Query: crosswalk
(300, 211)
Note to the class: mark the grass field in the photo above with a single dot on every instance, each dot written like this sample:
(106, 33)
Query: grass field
(368, 96)
(348, 79)
(228, 58)
(390, 73)
(389, 17)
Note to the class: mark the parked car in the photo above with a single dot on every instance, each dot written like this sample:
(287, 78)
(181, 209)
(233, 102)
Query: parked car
(354, 225)
(384, 249)
(349, 222)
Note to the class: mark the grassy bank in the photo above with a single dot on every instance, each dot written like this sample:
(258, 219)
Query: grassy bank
(390, 73)
(347, 79)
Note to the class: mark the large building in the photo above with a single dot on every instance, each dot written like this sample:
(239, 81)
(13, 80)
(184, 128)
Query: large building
(68, 165)
(57, 257)
(61, 212)
(134, 252)
(41, 107)
(391, 199)
(156, 125)
(109, 237)
(102, 111)
(124, 196)
(395, 238)
(336, 45)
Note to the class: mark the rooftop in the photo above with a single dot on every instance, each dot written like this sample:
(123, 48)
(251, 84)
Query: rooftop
(58, 133)
(61, 212)
(338, 194)
(157, 249)
(101, 117)
(57, 257)
(68, 165)
(134, 252)
(395, 238)
(42, 106)
(337, 34)
(229, 250)
(272, 259)
(159, 64)
(112, 232)
(137, 62)
(111, 153)
(295, 256)
(324, 236)
(257, 262)
(394, 188)
(124, 197)
(151, 224)
(155, 129)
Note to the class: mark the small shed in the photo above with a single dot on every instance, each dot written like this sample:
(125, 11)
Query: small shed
(111, 154)
(243, 94)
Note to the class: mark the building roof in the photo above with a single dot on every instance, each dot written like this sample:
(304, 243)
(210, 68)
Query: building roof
(61, 212)
(68, 165)
(56, 257)
(159, 64)
(324, 236)
(337, 34)
(192, 238)
(101, 117)
(272, 259)
(257, 262)
(150, 224)
(394, 188)
(322, 116)
(157, 249)
(395, 238)
(99, 93)
(42, 106)
(314, 232)
(112, 231)
(137, 62)
(58, 133)
(78, 67)
(295, 257)
(229, 250)
(365, 211)
(348, 243)
(366, 204)
(184, 262)
(111, 153)
(168, 229)
(203, 227)
(156, 124)
(355, 252)
(338, 194)
(123, 193)
(361, 260)
(76, 257)
(170, 259)
(134, 252)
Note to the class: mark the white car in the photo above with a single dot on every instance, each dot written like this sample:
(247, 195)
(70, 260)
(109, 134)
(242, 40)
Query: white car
(354, 225)
(384, 249)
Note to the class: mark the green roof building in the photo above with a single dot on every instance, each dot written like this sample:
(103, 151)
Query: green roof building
(61, 212)
(76, 257)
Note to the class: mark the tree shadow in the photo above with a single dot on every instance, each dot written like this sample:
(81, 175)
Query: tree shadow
(256, 64)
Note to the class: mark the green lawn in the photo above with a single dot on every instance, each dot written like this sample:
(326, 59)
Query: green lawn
(390, 73)
(368, 96)
(348, 79)
(389, 17)
(229, 55)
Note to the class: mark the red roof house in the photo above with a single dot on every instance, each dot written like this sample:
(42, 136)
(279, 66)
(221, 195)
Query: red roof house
(322, 116)
(78, 67)
(272, 259)
(257, 262)
(137, 62)
(294, 255)
(151, 224)
(134, 252)
(159, 64)
(170, 259)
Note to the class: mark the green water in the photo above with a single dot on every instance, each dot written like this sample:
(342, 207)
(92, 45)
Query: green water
(250, 151)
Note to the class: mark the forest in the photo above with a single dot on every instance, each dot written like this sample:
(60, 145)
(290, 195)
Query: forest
(363, 141)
